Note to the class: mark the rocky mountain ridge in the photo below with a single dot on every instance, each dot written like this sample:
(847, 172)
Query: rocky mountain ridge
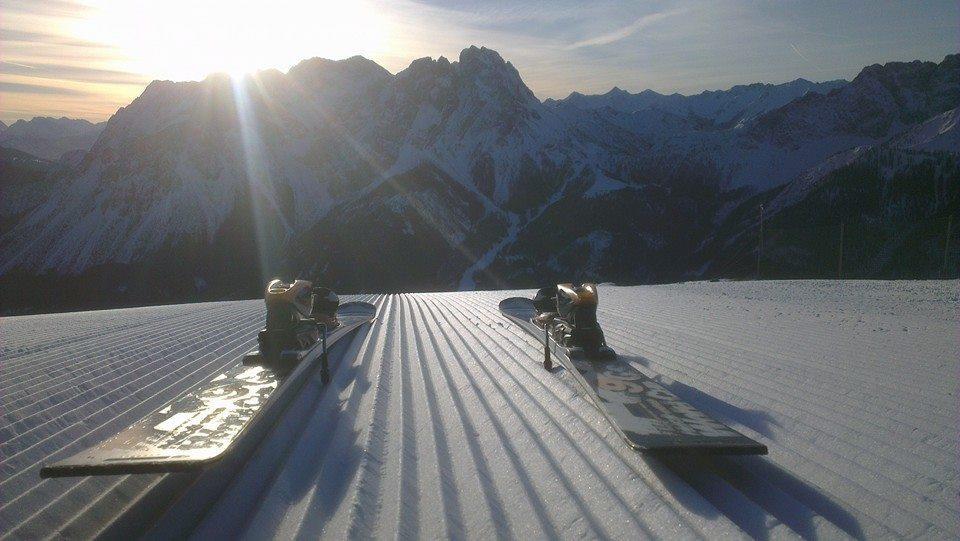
(50, 138)
(445, 175)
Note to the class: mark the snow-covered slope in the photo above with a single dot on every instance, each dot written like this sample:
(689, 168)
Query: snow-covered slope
(440, 421)
(940, 133)
(49, 137)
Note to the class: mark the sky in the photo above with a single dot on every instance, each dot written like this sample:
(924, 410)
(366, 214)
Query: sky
(87, 58)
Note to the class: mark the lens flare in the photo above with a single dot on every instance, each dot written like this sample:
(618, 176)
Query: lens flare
(187, 40)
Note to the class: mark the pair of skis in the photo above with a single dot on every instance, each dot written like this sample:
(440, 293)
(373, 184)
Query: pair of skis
(649, 417)
(199, 428)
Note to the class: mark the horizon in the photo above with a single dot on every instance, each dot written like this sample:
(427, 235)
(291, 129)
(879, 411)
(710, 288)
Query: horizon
(86, 58)
(542, 100)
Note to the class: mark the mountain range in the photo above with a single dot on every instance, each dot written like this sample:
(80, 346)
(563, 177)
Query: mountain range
(452, 174)
(50, 138)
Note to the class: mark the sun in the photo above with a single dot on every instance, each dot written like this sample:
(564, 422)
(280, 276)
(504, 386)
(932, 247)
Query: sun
(189, 39)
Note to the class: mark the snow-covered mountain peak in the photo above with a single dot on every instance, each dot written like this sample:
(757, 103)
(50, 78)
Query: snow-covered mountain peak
(45, 126)
(332, 80)
(162, 103)
(490, 72)
(900, 78)
(474, 56)
(881, 100)
(426, 68)
(49, 137)
(322, 70)
(733, 107)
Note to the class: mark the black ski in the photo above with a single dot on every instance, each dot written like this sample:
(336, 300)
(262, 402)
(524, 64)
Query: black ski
(201, 426)
(648, 416)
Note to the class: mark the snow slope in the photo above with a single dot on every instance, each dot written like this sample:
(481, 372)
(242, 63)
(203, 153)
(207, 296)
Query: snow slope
(440, 422)
(937, 134)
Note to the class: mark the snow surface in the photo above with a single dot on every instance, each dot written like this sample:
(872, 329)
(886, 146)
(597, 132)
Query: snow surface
(603, 185)
(440, 422)
(936, 134)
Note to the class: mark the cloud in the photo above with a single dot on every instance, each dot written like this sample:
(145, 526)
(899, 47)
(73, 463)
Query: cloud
(23, 88)
(626, 31)
(59, 8)
(46, 38)
(72, 73)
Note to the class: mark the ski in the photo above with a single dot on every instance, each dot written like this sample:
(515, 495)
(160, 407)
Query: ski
(649, 417)
(200, 427)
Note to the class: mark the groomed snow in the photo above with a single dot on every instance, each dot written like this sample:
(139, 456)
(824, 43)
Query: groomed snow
(440, 422)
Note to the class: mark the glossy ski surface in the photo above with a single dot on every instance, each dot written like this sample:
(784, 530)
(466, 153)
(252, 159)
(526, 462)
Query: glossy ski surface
(648, 416)
(198, 428)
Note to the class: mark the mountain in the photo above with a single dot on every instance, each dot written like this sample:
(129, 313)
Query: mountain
(192, 157)
(716, 108)
(49, 138)
(879, 212)
(3, 126)
(25, 181)
(447, 174)
(880, 101)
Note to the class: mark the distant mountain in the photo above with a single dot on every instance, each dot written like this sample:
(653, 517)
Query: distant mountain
(776, 146)
(50, 138)
(879, 102)
(447, 174)
(718, 108)
(3, 126)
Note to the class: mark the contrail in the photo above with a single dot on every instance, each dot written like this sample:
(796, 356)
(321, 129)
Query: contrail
(17, 64)
(794, 47)
(626, 31)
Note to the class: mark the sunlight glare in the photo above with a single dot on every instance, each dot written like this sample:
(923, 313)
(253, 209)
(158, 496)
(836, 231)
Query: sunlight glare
(189, 39)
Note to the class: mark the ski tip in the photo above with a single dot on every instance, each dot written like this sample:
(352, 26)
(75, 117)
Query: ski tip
(357, 309)
(515, 302)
